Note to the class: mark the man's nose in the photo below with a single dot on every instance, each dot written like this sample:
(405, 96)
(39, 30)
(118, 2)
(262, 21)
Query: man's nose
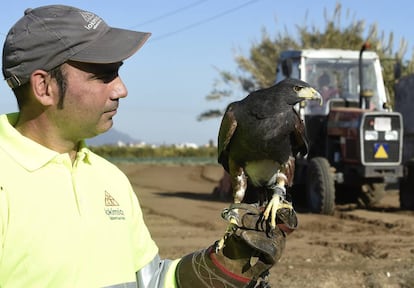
(119, 89)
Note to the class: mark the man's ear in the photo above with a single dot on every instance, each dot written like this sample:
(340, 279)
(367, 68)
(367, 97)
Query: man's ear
(40, 82)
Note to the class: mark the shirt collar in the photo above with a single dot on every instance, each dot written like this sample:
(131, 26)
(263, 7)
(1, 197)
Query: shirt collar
(28, 153)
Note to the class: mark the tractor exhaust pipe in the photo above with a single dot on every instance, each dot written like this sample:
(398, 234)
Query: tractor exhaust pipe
(363, 100)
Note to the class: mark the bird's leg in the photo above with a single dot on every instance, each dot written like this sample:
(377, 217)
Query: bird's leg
(239, 188)
(279, 194)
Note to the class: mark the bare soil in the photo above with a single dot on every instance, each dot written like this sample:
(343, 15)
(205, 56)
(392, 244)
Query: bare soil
(352, 248)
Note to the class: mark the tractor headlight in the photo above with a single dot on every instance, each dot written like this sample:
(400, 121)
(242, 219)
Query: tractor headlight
(371, 135)
(391, 135)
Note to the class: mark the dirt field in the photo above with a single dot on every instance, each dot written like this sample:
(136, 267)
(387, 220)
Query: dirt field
(353, 248)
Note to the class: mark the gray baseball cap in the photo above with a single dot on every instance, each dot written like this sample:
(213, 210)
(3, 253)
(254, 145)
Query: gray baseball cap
(48, 36)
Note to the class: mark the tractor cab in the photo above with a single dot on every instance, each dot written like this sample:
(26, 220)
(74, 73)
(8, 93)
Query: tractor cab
(335, 73)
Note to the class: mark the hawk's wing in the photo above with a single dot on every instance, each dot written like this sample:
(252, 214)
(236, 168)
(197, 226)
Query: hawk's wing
(298, 139)
(227, 128)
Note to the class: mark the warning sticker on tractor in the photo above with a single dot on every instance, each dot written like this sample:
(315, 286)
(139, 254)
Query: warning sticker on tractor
(381, 151)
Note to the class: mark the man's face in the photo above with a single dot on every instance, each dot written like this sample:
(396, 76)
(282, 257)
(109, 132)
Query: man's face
(91, 99)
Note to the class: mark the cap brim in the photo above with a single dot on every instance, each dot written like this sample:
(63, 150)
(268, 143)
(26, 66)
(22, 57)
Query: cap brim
(114, 46)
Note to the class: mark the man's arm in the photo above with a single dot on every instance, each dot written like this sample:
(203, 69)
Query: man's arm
(157, 273)
(248, 253)
(245, 260)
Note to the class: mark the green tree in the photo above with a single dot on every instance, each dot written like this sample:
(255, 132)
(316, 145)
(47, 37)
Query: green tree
(258, 69)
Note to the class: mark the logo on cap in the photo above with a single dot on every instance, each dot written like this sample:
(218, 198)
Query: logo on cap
(91, 19)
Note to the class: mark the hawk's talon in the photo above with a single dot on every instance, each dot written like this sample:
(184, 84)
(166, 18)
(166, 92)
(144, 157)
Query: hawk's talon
(218, 245)
(275, 204)
(225, 213)
(230, 229)
(229, 215)
(232, 216)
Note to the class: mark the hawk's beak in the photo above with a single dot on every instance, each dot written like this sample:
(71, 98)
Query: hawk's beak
(310, 93)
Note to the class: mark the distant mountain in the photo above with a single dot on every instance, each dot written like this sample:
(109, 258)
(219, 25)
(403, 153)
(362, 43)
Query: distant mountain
(111, 137)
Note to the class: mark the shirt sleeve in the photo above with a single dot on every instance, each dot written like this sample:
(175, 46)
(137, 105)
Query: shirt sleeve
(143, 245)
(152, 272)
(158, 274)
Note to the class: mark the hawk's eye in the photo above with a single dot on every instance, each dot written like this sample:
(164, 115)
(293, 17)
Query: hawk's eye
(297, 88)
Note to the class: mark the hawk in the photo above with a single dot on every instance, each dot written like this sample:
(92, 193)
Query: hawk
(258, 139)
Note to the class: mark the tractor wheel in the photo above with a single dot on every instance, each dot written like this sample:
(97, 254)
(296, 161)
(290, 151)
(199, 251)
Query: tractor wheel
(370, 194)
(406, 187)
(406, 195)
(320, 187)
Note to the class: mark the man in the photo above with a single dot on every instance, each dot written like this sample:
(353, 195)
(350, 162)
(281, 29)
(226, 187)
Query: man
(69, 218)
(325, 87)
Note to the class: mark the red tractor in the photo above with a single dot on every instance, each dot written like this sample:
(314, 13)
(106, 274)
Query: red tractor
(355, 139)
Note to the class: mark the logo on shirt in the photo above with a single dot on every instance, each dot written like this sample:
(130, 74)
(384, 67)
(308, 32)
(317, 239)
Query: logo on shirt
(112, 209)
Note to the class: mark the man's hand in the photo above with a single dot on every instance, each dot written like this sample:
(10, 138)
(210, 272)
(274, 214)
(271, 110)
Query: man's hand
(248, 253)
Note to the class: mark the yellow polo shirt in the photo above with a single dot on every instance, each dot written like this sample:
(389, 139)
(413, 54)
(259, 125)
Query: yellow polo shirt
(64, 225)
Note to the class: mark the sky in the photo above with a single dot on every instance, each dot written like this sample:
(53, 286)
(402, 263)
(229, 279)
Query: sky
(169, 77)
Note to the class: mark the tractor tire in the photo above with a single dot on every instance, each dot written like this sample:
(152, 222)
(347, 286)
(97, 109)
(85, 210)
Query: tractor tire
(320, 187)
(370, 194)
(406, 195)
(406, 187)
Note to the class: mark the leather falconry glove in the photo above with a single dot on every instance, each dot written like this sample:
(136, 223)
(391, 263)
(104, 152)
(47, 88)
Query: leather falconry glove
(248, 254)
